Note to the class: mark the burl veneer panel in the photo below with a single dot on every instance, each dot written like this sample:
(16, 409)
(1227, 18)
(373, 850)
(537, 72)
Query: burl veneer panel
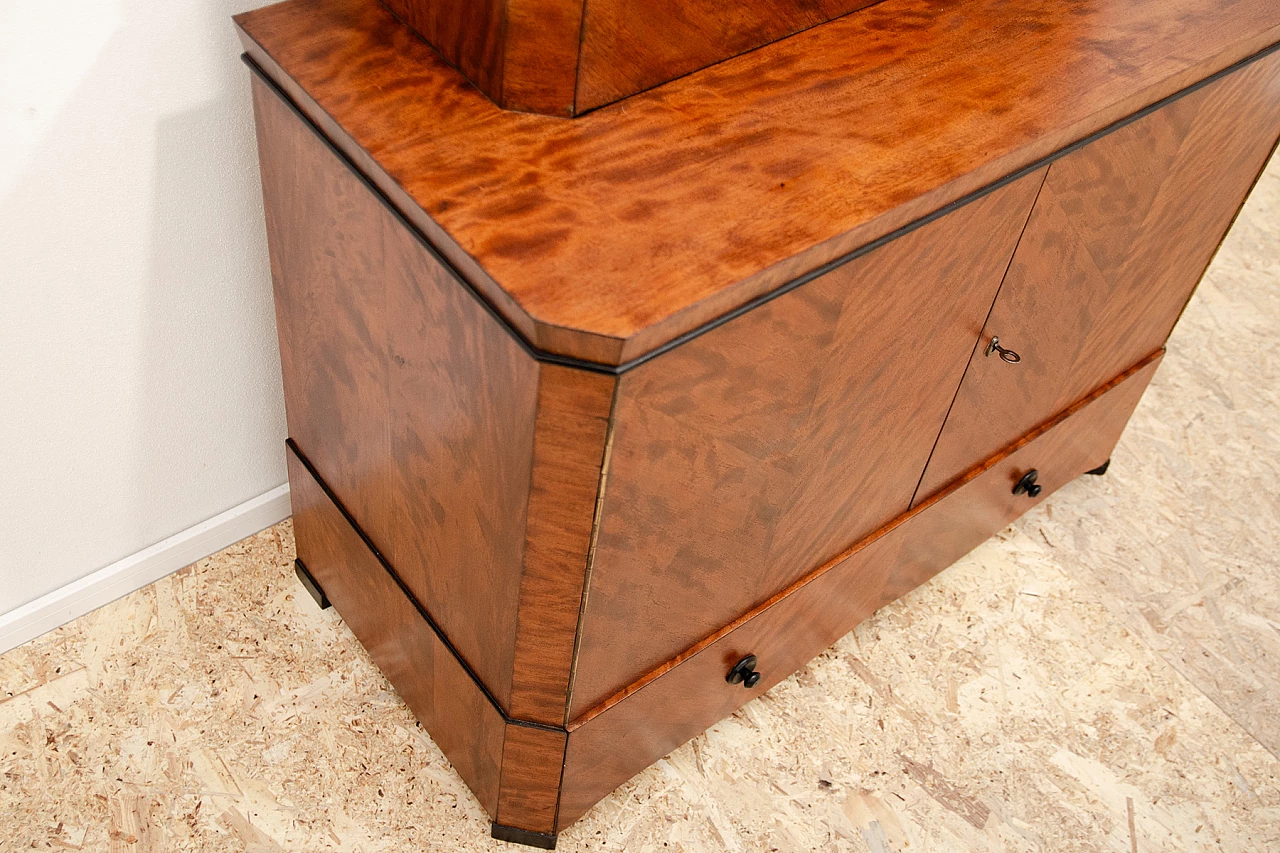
(691, 693)
(414, 403)
(689, 200)
(468, 729)
(759, 450)
(630, 45)
(1122, 233)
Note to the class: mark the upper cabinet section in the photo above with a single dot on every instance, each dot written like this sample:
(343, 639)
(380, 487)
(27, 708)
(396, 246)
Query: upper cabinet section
(564, 57)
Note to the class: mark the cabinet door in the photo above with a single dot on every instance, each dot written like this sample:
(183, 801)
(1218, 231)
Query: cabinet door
(765, 447)
(1121, 233)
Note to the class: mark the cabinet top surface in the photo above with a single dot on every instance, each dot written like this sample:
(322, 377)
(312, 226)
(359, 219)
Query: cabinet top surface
(606, 236)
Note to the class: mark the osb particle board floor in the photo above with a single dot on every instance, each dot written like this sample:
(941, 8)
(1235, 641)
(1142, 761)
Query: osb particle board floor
(1104, 675)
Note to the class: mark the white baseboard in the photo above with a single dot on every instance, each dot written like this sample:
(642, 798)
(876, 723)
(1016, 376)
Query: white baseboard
(137, 570)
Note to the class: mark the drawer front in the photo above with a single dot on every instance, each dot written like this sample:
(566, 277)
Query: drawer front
(632, 730)
(747, 457)
(1121, 234)
(464, 724)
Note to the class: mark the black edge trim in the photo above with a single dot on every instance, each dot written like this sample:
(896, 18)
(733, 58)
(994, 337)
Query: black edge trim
(445, 263)
(527, 837)
(309, 583)
(595, 367)
(422, 611)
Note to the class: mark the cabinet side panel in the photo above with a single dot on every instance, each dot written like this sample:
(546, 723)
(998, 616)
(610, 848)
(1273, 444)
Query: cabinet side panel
(463, 723)
(758, 451)
(332, 335)
(1120, 237)
(568, 451)
(468, 33)
(632, 45)
(414, 404)
(632, 731)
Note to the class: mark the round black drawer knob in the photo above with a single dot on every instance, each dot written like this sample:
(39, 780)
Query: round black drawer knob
(744, 673)
(1028, 486)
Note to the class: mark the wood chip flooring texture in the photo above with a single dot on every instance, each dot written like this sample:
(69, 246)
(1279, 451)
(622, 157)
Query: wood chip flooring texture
(1102, 676)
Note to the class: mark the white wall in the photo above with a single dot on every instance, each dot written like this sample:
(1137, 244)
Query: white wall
(139, 378)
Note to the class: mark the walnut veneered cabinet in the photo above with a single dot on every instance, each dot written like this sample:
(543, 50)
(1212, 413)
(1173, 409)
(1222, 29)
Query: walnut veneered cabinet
(600, 427)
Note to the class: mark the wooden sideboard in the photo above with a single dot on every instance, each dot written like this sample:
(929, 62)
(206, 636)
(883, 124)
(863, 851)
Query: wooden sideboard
(600, 427)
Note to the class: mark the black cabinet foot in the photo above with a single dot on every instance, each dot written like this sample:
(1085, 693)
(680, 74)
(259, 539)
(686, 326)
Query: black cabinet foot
(1101, 469)
(309, 583)
(523, 836)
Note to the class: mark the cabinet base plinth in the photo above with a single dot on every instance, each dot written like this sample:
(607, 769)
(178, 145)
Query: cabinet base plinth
(541, 840)
(309, 584)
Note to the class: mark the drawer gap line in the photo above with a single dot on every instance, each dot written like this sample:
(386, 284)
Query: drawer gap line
(422, 611)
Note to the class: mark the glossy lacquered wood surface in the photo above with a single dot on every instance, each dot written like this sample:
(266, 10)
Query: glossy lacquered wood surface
(468, 729)
(619, 738)
(605, 236)
(763, 448)
(413, 402)
(1121, 234)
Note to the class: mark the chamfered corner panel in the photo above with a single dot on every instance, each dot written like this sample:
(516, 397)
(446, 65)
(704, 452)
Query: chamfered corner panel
(1120, 237)
(747, 456)
(574, 407)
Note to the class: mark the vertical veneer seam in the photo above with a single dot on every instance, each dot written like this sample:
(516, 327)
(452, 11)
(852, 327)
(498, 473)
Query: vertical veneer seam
(577, 66)
(524, 554)
(605, 461)
(1035, 202)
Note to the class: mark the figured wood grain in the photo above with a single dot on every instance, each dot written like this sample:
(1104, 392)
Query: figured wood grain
(616, 740)
(631, 45)
(1122, 233)
(532, 759)
(468, 33)
(748, 456)
(690, 200)
(540, 69)
(468, 729)
(411, 400)
(568, 451)
(332, 351)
